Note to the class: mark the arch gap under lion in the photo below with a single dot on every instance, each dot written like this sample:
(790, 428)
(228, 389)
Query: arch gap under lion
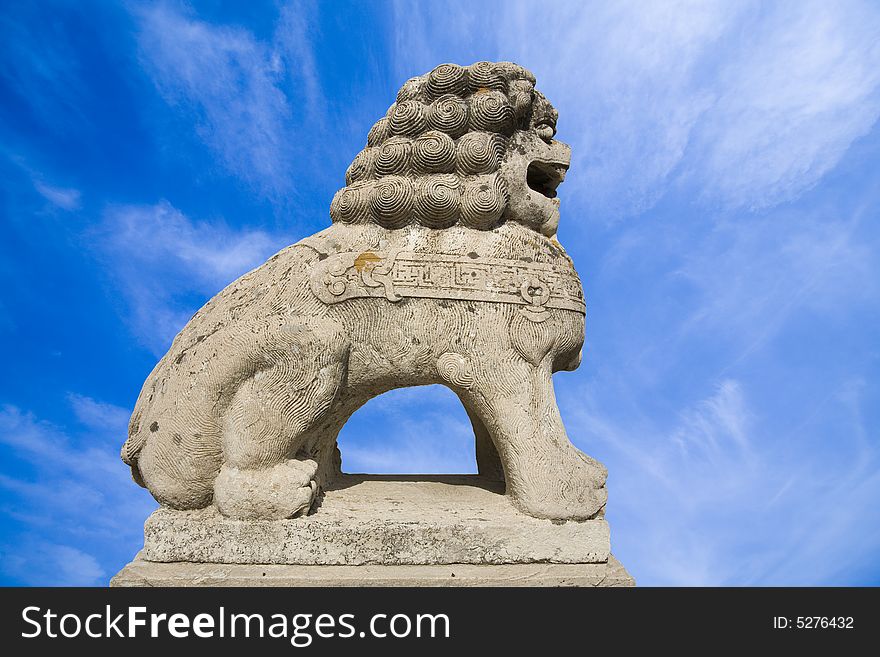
(419, 433)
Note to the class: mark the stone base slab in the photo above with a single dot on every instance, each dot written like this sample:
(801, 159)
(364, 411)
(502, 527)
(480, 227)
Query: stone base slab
(387, 521)
(147, 573)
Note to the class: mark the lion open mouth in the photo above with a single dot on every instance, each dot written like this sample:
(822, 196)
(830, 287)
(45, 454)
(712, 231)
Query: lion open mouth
(545, 177)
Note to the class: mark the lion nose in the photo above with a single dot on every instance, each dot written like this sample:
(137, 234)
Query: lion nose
(561, 153)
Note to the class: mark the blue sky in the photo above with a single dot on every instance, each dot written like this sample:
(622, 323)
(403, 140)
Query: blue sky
(721, 209)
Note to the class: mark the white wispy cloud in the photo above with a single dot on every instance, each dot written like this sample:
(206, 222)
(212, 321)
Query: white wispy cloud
(754, 277)
(251, 98)
(166, 265)
(739, 104)
(231, 80)
(48, 564)
(712, 499)
(726, 395)
(65, 198)
(716, 425)
(45, 445)
(731, 288)
(99, 415)
(292, 44)
(72, 486)
(802, 86)
(626, 79)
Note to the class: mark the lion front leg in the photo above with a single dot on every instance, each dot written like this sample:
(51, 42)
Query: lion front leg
(546, 476)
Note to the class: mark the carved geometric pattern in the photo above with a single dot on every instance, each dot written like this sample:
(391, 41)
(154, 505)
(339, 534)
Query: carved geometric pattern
(394, 275)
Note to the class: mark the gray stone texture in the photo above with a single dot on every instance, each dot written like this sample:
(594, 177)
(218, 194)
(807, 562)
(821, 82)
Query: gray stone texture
(383, 520)
(441, 266)
(148, 573)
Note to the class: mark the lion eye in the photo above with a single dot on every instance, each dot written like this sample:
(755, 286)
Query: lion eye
(546, 132)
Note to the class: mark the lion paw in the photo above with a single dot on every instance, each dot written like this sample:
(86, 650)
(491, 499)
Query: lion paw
(572, 488)
(281, 491)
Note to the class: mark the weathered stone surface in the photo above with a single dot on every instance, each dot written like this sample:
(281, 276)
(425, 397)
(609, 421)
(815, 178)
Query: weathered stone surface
(388, 520)
(441, 266)
(148, 573)
(435, 276)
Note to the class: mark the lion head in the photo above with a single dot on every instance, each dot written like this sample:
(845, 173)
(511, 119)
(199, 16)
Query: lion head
(467, 145)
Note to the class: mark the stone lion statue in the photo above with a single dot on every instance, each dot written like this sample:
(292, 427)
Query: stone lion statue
(441, 266)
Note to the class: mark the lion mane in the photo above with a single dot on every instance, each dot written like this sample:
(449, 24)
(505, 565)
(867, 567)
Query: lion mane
(434, 158)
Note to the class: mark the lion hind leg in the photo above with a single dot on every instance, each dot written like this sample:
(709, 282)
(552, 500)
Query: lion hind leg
(179, 458)
(267, 471)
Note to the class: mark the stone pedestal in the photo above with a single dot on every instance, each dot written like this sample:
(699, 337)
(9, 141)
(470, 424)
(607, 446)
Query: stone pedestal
(379, 531)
